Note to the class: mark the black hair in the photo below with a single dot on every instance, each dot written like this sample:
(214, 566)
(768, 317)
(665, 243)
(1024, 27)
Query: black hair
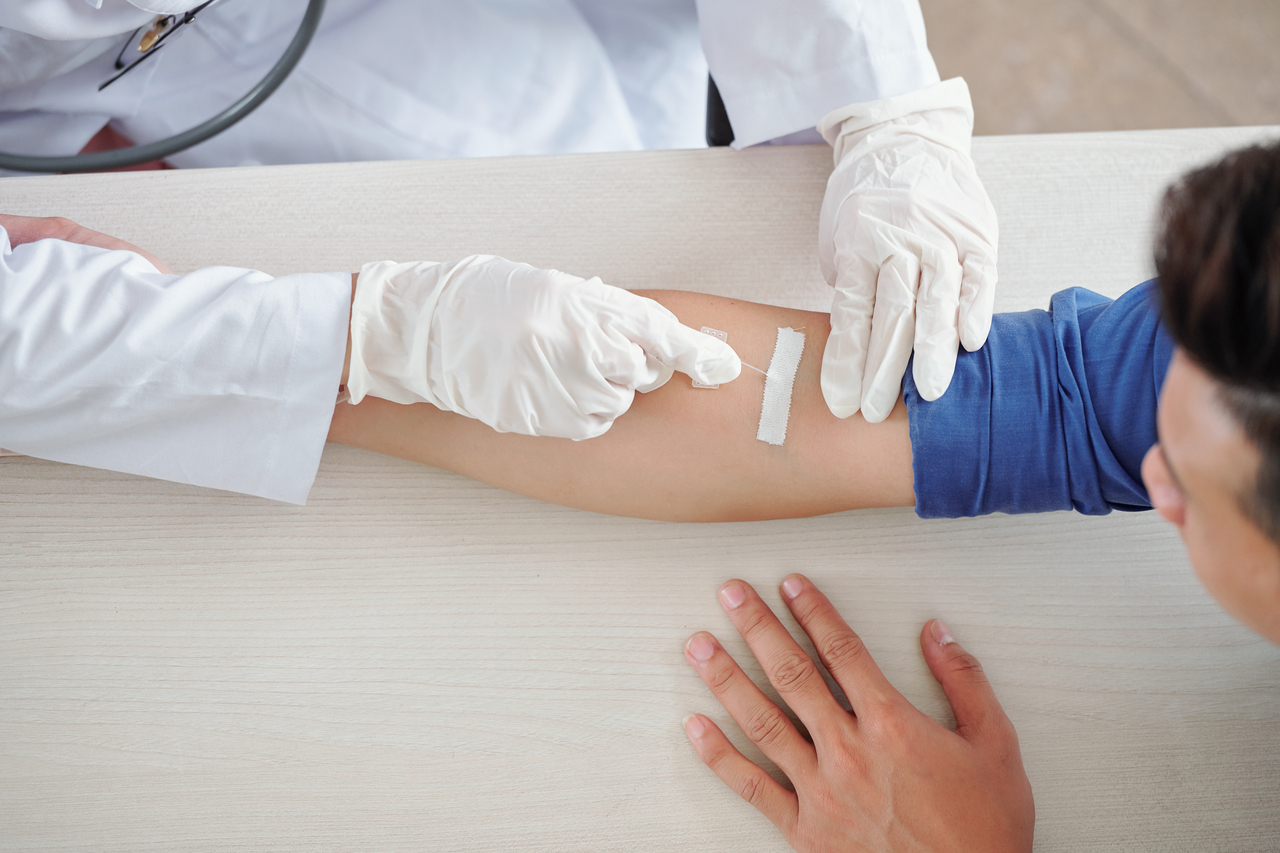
(1218, 257)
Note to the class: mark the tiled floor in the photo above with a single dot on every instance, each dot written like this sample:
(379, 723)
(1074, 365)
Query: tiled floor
(1042, 66)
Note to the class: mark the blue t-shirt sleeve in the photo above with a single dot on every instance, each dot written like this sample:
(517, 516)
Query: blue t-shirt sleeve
(1055, 412)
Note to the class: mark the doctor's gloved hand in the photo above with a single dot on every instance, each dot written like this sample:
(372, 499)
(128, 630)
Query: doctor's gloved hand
(525, 350)
(882, 778)
(908, 239)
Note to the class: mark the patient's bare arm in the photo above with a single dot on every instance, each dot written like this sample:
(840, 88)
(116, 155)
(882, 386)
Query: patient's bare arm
(680, 453)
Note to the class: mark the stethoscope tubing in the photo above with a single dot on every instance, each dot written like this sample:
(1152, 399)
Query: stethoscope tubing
(100, 161)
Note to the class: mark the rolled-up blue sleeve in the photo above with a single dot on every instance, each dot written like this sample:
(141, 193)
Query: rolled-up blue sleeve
(1056, 411)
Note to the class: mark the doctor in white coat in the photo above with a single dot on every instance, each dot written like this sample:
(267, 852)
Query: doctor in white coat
(907, 235)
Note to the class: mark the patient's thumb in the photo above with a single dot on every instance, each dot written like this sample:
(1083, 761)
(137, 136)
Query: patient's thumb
(973, 701)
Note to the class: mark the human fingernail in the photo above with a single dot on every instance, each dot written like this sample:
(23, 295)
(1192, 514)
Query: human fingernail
(694, 727)
(701, 648)
(791, 587)
(941, 633)
(732, 596)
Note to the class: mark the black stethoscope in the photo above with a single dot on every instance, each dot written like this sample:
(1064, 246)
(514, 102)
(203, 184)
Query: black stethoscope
(149, 45)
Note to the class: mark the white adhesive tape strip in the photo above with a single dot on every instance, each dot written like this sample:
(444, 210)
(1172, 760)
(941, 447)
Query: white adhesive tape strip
(777, 386)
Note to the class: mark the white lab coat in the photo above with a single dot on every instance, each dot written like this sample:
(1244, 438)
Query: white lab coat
(393, 79)
(224, 378)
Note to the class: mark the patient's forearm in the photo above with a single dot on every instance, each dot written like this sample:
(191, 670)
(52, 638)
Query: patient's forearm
(680, 453)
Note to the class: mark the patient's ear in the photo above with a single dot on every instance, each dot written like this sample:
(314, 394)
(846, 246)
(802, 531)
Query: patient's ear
(1166, 496)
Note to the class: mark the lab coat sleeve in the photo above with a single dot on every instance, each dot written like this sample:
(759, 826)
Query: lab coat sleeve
(781, 66)
(224, 377)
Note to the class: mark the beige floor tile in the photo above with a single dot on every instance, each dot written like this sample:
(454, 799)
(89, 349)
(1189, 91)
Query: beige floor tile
(1227, 49)
(1039, 66)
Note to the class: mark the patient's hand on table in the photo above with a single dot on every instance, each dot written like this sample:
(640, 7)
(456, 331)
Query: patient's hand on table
(680, 453)
(881, 778)
(28, 229)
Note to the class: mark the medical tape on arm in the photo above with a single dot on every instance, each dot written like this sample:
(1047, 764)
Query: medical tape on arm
(777, 386)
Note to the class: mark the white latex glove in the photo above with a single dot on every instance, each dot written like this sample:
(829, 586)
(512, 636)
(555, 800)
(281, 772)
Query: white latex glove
(525, 350)
(908, 239)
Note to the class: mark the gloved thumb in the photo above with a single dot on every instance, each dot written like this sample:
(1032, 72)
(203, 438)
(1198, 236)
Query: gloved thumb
(664, 338)
(977, 711)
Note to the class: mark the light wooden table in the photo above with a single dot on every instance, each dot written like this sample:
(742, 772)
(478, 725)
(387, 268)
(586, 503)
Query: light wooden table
(419, 662)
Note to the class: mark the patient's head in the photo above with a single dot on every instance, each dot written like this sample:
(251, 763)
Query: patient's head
(1216, 471)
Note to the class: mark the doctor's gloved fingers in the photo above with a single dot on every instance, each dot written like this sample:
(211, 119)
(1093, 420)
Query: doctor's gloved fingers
(892, 335)
(589, 412)
(977, 296)
(743, 777)
(845, 357)
(664, 338)
(28, 229)
(936, 336)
